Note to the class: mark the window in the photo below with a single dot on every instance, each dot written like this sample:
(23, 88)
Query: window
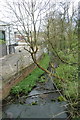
(2, 35)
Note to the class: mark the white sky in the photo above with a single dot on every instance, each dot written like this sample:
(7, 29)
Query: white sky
(3, 14)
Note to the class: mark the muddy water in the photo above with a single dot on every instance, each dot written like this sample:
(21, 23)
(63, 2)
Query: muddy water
(42, 102)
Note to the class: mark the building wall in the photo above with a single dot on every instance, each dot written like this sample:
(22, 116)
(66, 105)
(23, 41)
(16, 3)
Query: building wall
(9, 38)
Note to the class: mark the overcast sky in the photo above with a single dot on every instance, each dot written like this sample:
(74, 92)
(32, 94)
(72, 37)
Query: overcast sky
(3, 14)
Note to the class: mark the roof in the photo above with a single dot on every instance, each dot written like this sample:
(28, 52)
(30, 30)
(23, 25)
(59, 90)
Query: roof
(2, 23)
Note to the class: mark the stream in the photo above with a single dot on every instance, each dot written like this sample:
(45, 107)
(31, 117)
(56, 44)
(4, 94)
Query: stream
(41, 102)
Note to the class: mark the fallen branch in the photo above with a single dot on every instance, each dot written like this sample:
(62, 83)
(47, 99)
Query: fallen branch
(44, 93)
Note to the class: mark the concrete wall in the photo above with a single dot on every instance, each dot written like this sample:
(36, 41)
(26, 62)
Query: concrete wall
(17, 78)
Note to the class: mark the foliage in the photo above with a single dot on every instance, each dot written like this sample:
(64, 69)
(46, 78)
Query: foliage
(61, 40)
(61, 98)
(2, 42)
(29, 82)
(70, 75)
(68, 56)
(42, 79)
(34, 103)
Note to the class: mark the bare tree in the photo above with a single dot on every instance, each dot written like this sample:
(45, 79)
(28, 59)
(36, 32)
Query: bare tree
(29, 17)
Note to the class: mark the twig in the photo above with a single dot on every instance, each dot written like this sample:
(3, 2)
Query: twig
(60, 113)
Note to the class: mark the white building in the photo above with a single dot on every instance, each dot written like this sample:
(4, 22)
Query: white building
(7, 35)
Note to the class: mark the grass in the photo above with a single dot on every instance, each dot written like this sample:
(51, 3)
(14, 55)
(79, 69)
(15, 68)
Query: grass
(29, 82)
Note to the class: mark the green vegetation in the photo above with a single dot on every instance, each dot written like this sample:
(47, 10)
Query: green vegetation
(61, 39)
(29, 82)
(42, 79)
(61, 98)
(2, 42)
(70, 75)
(69, 72)
(69, 56)
(34, 103)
